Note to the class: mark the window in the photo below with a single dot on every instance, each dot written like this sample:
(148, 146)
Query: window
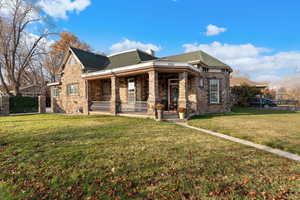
(72, 89)
(106, 87)
(55, 92)
(131, 90)
(205, 69)
(201, 82)
(214, 91)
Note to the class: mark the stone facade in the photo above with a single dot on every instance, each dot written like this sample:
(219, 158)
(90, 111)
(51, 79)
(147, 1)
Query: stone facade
(71, 104)
(203, 99)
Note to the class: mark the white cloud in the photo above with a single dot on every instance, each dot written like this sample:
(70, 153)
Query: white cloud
(129, 44)
(60, 8)
(214, 30)
(250, 59)
(227, 50)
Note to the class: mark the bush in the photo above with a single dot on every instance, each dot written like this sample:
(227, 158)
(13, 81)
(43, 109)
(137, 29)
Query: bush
(23, 104)
(243, 93)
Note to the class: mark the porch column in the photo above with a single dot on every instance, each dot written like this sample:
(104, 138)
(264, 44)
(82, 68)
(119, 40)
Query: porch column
(42, 104)
(183, 89)
(115, 94)
(86, 109)
(197, 91)
(153, 98)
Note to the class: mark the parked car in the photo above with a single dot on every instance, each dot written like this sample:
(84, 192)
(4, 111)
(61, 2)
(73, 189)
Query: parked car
(261, 102)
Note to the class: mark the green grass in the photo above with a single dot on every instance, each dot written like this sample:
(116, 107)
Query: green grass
(101, 157)
(277, 129)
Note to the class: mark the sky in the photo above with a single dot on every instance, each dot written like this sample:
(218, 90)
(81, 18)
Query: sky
(258, 38)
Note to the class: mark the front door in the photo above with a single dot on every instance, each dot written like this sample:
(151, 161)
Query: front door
(173, 94)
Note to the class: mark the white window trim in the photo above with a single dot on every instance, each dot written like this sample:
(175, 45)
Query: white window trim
(73, 94)
(217, 92)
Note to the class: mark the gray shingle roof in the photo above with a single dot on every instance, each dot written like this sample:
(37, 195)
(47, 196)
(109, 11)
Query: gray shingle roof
(197, 55)
(91, 61)
(95, 62)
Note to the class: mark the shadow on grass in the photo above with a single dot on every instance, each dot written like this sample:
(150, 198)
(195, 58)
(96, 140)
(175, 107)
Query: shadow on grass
(238, 111)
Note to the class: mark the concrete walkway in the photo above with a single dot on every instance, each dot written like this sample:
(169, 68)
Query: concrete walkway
(245, 142)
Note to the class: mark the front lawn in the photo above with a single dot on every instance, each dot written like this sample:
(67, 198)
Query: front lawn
(277, 129)
(102, 157)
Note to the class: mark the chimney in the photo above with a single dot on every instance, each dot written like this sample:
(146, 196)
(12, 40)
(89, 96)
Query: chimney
(151, 52)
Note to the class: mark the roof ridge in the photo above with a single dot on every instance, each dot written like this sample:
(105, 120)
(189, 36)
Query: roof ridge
(86, 51)
(122, 52)
(185, 53)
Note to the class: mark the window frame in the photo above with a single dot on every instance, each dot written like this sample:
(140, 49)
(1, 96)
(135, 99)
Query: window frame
(216, 92)
(55, 92)
(70, 92)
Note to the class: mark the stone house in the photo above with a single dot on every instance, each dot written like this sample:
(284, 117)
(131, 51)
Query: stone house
(133, 82)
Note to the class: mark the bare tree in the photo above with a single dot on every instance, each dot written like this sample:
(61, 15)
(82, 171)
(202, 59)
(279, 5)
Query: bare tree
(58, 50)
(18, 48)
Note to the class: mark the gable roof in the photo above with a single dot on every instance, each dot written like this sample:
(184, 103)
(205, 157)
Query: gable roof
(195, 56)
(91, 61)
(96, 62)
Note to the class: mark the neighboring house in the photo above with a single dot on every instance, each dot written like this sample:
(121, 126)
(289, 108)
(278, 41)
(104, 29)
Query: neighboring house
(30, 90)
(134, 81)
(238, 81)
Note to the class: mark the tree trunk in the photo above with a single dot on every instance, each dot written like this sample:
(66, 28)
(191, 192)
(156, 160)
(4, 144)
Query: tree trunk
(16, 89)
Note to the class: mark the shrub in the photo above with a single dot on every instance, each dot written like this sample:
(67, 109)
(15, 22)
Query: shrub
(243, 93)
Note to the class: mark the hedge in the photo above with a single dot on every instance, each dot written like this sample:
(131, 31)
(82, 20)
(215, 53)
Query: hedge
(23, 104)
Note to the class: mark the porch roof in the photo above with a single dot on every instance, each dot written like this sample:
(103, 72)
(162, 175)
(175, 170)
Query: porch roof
(146, 65)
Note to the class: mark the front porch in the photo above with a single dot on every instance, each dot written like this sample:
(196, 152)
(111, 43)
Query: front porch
(138, 94)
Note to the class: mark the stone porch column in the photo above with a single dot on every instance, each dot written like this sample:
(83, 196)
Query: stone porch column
(183, 89)
(42, 104)
(197, 90)
(85, 106)
(115, 94)
(153, 98)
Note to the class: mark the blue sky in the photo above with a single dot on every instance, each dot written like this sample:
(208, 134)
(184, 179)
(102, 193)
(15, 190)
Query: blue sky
(257, 38)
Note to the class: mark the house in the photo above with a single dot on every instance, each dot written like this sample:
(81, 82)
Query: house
(134, 82)
(239, 81)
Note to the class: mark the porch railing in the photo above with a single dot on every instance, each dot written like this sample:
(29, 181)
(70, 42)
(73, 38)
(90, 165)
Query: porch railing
(104, 106)
(137, 106)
